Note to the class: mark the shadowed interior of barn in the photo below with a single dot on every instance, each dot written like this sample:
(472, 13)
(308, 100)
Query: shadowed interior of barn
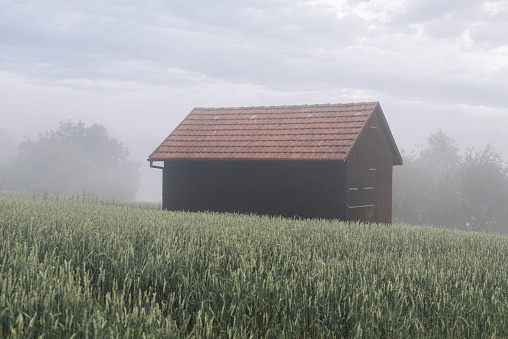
(329, 161)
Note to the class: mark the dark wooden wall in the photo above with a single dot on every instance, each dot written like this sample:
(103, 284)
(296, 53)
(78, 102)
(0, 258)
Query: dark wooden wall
(308, 189)
(369, 176)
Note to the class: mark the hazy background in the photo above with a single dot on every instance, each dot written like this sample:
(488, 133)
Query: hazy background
(139, 67)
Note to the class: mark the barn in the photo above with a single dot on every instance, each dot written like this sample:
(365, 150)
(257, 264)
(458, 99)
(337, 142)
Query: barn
(331, 161)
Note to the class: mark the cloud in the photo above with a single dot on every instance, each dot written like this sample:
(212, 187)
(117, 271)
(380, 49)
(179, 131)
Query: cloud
(107, 59)
(418, 48)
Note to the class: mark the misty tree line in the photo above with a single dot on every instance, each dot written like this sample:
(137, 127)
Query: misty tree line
(439, 185)
(75, 159)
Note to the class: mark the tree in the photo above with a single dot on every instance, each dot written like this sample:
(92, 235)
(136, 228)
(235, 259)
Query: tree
(484, 190)
(425, 187)
(438, 186)
(72, 160)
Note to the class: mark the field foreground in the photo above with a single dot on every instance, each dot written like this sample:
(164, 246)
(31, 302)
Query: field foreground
(83, 267)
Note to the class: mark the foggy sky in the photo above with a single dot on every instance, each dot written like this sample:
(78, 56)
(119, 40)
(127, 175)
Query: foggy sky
(139, 67)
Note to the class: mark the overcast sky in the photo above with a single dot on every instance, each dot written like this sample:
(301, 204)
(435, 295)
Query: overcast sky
(139, 67)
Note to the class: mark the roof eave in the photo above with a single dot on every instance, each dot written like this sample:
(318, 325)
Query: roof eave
(245, 159)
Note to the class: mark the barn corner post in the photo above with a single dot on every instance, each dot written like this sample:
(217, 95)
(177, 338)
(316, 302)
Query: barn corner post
(330, 161)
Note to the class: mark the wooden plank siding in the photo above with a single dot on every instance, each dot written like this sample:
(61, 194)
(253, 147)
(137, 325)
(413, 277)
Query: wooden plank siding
(369, 175)
(290, 188)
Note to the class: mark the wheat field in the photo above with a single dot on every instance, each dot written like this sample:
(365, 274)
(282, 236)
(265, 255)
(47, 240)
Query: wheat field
(84, 267)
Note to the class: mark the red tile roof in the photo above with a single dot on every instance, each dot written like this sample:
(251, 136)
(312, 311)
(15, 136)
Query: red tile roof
(276, 132)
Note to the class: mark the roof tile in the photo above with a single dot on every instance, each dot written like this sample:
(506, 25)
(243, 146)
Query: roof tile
(276, 132)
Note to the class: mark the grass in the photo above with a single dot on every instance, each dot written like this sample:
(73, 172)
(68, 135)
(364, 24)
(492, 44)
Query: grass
(85, 267)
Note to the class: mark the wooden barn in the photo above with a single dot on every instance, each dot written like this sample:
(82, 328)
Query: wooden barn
(329, 161)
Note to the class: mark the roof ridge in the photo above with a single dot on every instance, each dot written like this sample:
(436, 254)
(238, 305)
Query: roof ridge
(284, 106)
